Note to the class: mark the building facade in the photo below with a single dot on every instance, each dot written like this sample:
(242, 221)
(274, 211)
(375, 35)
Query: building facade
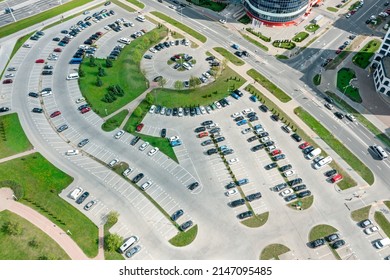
(381, 64)
(279, 12)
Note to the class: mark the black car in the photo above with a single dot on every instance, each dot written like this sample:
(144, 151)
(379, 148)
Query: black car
(339, 115)
(230, 185)
(279, 157)
(280, 187)
(215, 130)
(33, 94)
(250, 115)
(240, 118)
(257, 148)
(294, 182)
(263, 134)
(83, 107)
(56, 39)
(263, 108)
(83, 142)
(37, 110)
(308, 150)
(275, 117)
(291, 197)
(328, 99)
(317, 243)
(193, 186)
(82, 197)
(269, 143)
(200, 129)
(332, 237)
(212, 151)
(338, 244)
(177, 215)
(238, 53)
(237, 202)
(219, 139)
(251, 139)
(330, 173)
(245, 214)
(271, 165)
(186, 111)
(138, 177)
(192, 111)
(255, 118)
(285, 167)
(207, 142)
(62, 128)
(253, 196)
(174, 111)
(185, 226)
(47, 72)
(227, 152)
(48, 67)
(134, 140)
(163, 133)
(304, 194)
(296, 137)
(299, 188)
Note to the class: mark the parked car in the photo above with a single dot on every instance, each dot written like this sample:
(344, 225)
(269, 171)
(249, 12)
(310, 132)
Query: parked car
(317, 243)
(176, 215)
(185, 225)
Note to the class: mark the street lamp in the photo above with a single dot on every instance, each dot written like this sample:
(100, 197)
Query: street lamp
(11, 11)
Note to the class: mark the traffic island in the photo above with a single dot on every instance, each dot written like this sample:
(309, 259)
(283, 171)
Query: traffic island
(184, 238)
(360, 214)
(322, 231)
(302, 203)
(256, 221)
(273, 251)
(345, 77)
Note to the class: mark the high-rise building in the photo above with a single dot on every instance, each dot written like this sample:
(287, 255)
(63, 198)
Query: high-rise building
(381, 64)
(279, 12)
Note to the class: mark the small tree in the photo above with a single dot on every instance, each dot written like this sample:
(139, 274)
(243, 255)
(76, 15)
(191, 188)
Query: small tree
(194, 82)
(108, 63)
(12, 228)
(178, 85)
(162, 82)
(99, 81)
(92, 61)
(81, 73)
(112, 217)
(138, 112)
(101, 72)
(112, 242)
(33, 243)
(149, 98)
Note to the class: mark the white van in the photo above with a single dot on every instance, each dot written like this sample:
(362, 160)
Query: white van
(323, 162)
(72, 76)
(313, 153)
(128, 243)
(140, 18)
(124, 40)
(76, 193)
(379, 151)
(382, 243)
(72, 152)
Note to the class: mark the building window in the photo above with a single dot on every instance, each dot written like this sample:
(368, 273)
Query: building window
(386, 83)
(382, 90)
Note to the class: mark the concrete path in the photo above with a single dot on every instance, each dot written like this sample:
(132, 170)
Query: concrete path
(7, 202)
(18, 155)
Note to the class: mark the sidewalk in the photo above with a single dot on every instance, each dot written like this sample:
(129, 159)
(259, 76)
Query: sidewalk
(18, 155)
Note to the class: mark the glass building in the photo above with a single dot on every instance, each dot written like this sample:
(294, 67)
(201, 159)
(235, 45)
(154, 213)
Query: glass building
(277, 12)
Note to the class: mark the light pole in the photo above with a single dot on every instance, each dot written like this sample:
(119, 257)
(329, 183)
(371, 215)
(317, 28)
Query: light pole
(11, 11)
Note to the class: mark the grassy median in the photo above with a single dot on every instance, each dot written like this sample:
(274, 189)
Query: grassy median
(363, 57)
(273, 251)
(184, 238)
(115, 121)
(229, 56)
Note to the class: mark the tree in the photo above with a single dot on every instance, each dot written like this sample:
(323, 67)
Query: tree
(149, 98)
(178, 85)
(224, 63)
(108, 63)
(112, 242)
(162, 82)
(99, 81)
(112, 218)
(12, 228)
(92, 61)
(194, 82)
(81, 73)
(138, 112)
(33, 243)
(101, 72)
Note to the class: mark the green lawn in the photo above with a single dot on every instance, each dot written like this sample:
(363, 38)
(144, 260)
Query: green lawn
(387, 203)
(258, 34)
(137, 3)
(184, 238)
(273, 251)
(332, 9)
(181, 26)
(306, 203)
(245, 19)
(300, 36)
(31, 244)
(125, 72)
(123, 6)
(13, 140)
(229, 80)
(383, 223)
(115, 121)
(30, 21)
(229, 56)
(362, 58)
(111, 255)
(136, 119)
(255, 42)
(257, 220)
(336, 145)
(378, 133)
(312, 27)
(317, 79)
(284, 44)
(161, 143)
(321, 231)
(214, 6)
(344, 77)
(360, 214)
(37, 183)
(270, 86)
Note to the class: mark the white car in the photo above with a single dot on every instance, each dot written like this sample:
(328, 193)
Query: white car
(79, 100)
(152, 108)
(289, 173)
(10, 75)
(350, 117)
(172, 7)
(247, 111)
(119, 134)
(113, 162)
(107, 27)
(219, 106)
(144, 146)
(153, 151)
(265, 139)
(318, 159)
(180, 112)
(72, 152)
(174, 138)
(202, 110)
(186, 43)
(231, 192)
(27, 46)
(371, 230)
(212, 125)
(270, 148)
(222, 21)
(286, 192)
(233, 161)
(246, 130)
(153, 50)
(236, 115)
(146, 185)
(127, 172)
(90, 204)
(46, 93)
(162, 112)
(208, 109)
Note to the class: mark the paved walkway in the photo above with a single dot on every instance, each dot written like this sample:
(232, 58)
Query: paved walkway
(18, 155)
(57, 234)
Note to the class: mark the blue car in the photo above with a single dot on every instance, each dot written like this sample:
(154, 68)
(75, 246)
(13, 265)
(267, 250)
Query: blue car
(242, 182)
(176, 143)
(235, 96)
(253, 98)
(242, 122)
(235, 46)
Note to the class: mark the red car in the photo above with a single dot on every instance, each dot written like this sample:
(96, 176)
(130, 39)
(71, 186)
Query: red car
(276, 152)
(41, 60)
(55, 114)
(203, 134)
(85, 110)
(338, 51)
(57, 50)
(336, 178)
(304, 145)
(99, 33)
(139, 127)
(7, 81)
